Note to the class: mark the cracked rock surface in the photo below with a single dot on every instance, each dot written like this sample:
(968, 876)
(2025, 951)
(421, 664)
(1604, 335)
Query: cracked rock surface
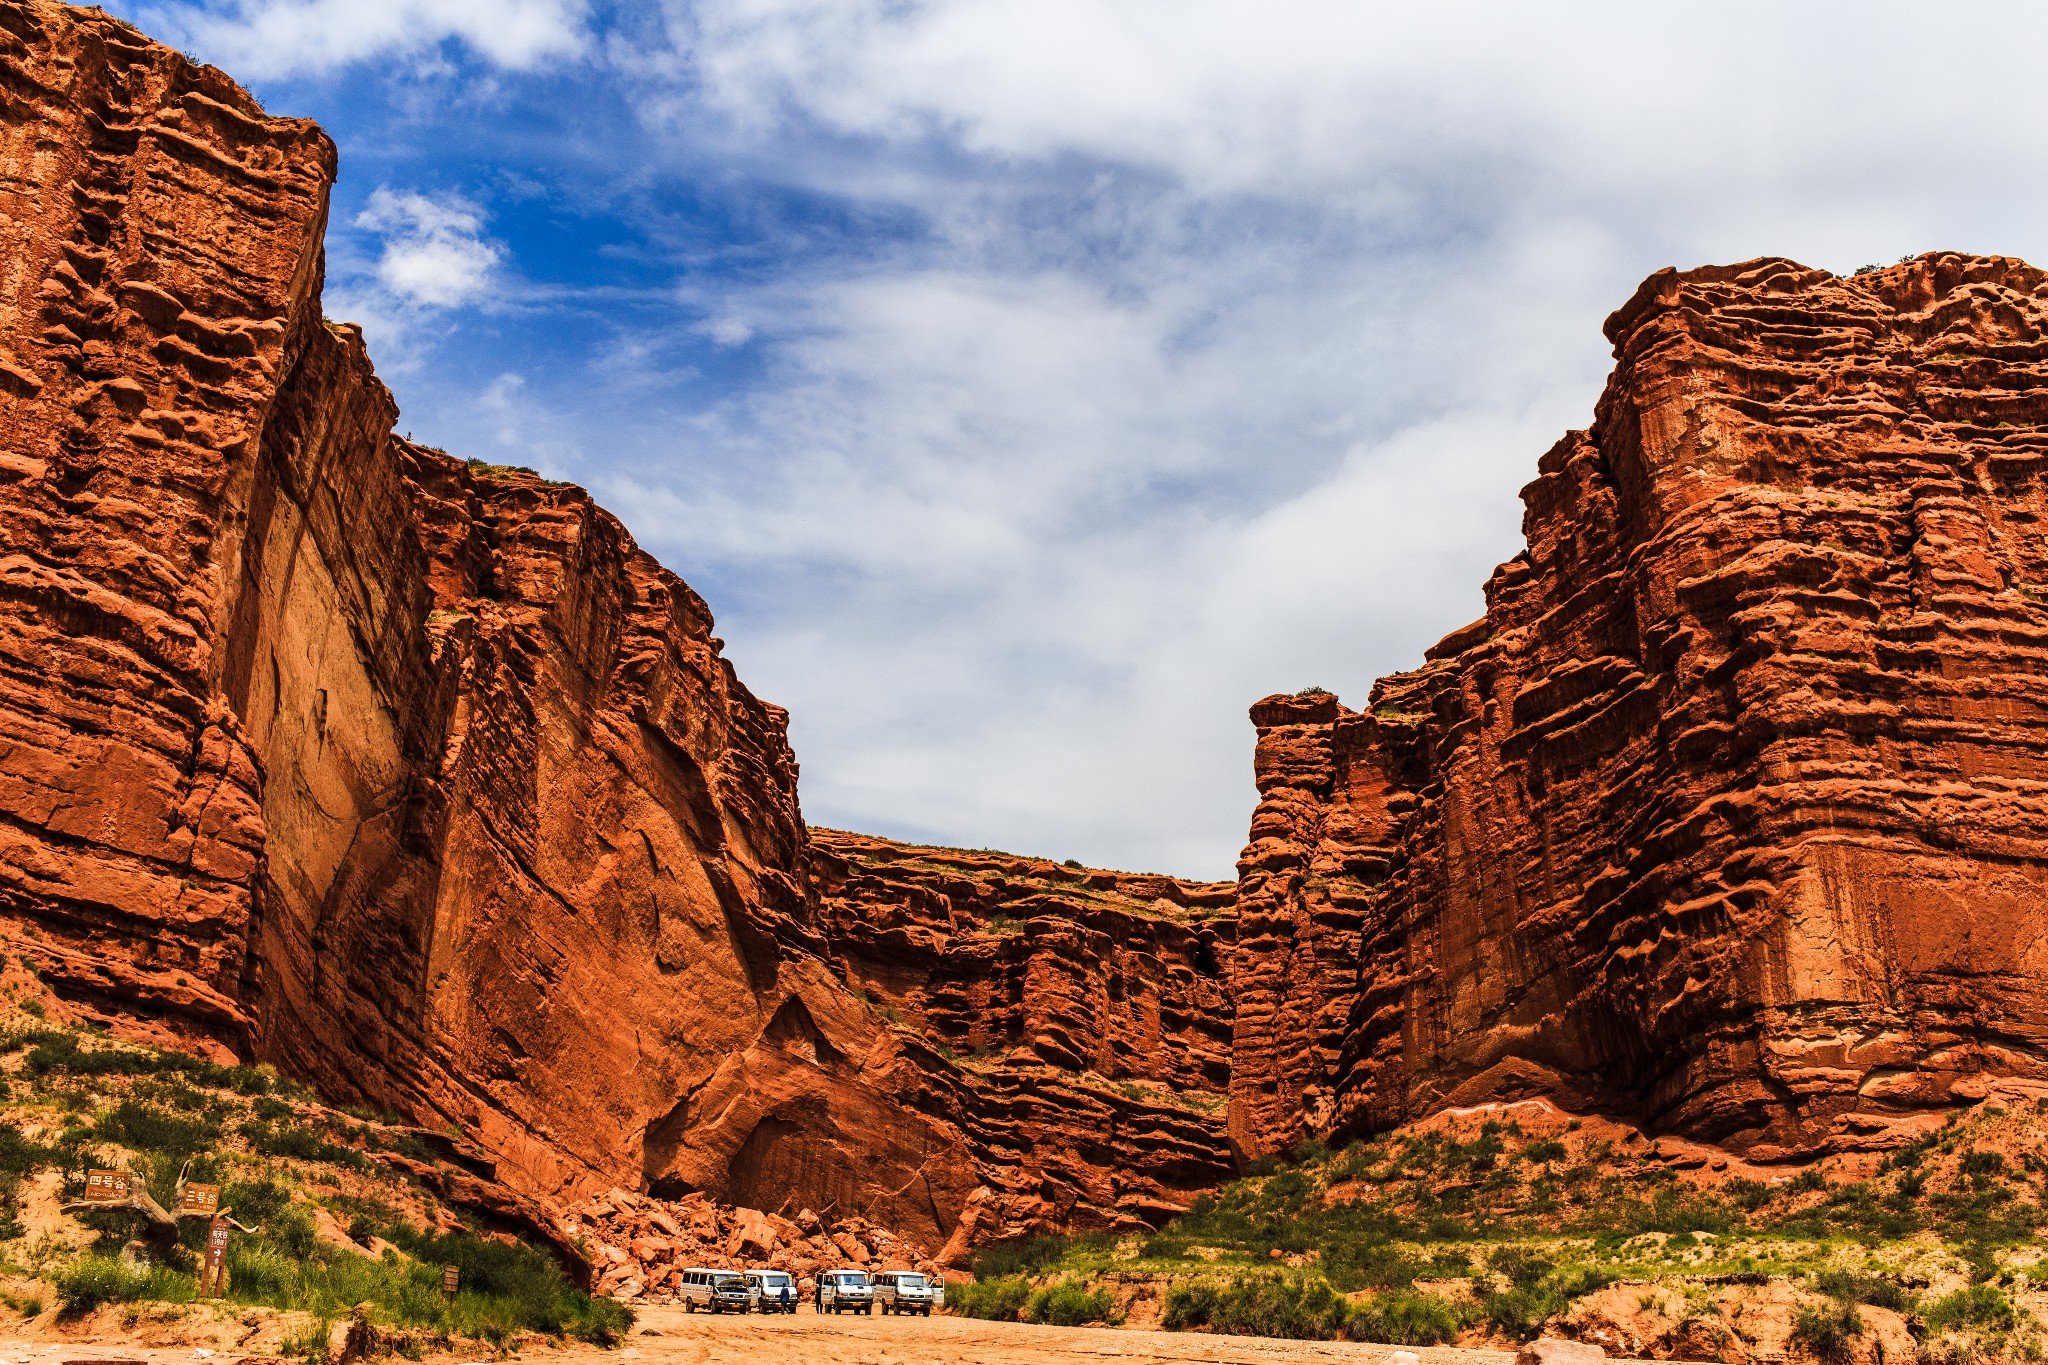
(1729, 814)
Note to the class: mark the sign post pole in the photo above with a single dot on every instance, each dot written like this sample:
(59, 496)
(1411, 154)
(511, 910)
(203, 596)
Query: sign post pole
(213, 1278)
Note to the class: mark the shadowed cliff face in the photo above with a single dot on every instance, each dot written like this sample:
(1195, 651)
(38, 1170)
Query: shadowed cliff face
(415, 777)
(1081, 1015)
(1730, 813)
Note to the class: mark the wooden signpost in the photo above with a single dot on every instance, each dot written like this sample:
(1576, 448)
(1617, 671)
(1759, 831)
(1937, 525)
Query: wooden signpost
(213, 1276)
(108, 1187)
(199, 1201)
(451, 1279)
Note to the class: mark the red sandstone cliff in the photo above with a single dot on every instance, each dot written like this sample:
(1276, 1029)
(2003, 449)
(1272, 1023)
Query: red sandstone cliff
(415, 777)
(1082, 1015)
(1732, 812)
(419, 779)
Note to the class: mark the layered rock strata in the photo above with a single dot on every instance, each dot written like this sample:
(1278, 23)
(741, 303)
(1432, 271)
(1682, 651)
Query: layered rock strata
(416, 777)
(1082, 1015)
(1731, 814)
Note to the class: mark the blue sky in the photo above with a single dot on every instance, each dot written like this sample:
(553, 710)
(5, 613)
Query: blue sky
(1031, 387)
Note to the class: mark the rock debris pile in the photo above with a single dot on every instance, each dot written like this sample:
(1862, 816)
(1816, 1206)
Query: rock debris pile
(639, 1246)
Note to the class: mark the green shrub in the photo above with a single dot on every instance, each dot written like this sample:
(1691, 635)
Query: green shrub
(1070, 1303)
(52, 1050)
(997, 1300)
(1296, 1307)
(1983, 1163)
(1407, 1318)
(1189, 1304)
(1352, 1266)
(1828, 1331)
(301, 1144)
(1022, 1256)
(1981, 1305)
(87, 1283)
(1523, 1268)
(1518, 1312)
(1848, 1286)
(147, 1129)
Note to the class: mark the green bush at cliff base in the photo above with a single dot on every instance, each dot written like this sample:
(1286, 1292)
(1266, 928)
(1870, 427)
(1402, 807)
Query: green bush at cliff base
(87, 1283)
(997, 1300)
(506, 1289)
(1032, 1255)
(1827, 1332)
(1297, 1307)
(1071, 1303)
(1406, 1318)
(1981, 1305)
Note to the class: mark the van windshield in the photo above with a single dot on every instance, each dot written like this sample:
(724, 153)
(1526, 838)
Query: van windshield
(851, 1281)
(729, 1282)
(910, 1281)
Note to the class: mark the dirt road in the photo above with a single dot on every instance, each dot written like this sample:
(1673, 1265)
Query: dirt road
(808, 1339)
(668, 1336)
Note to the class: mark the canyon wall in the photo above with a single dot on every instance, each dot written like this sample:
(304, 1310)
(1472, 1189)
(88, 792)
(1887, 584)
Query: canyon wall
(1083, 1015)
(417, 778)
(1731, 814)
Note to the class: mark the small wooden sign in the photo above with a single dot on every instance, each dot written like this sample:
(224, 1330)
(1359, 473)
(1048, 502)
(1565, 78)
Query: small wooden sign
(199, 1201)
(108, 1187)
(451, 1278)
(213, 1277)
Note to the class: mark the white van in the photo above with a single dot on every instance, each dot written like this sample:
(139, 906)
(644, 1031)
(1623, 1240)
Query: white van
(906, 1291)
(845, 1291)
(767, 1286)
(716, 1291)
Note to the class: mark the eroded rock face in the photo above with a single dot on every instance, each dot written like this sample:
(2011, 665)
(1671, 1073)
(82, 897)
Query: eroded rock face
(1073, 1023)
(418, 778)
(1730, 812)
(414, 776)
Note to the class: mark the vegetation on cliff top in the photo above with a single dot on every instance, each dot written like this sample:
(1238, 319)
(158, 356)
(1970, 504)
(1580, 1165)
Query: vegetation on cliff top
(343, 1227)
(1493, 1228)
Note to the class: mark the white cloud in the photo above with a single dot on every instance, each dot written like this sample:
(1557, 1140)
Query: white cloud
(1232, 332)
(434, 253)
(258, 39)
(730, 331)
(1202, 354)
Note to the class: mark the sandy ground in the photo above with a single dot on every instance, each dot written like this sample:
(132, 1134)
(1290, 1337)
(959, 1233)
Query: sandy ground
(668, 1336)
(808, 1339)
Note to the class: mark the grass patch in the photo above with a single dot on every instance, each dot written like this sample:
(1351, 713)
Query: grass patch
(1297, 1307)
(1827, 1331)
(999, 1300)
(91, 1102)
(1071, 1303)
